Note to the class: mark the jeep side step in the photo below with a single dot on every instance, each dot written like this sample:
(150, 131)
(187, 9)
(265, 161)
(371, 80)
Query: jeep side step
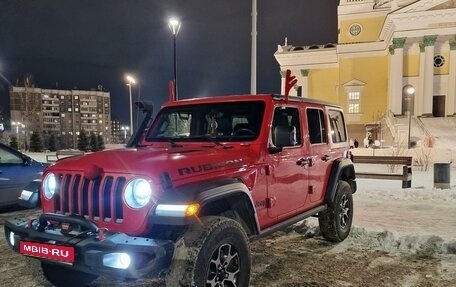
(288, 222)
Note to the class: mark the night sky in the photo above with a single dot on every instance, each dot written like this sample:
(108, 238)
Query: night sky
(85, 43)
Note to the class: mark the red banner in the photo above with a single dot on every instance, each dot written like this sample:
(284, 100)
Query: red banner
(49, 251)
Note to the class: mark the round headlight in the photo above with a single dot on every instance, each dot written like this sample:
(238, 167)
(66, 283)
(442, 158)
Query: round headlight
(138, 193)
(49, 185)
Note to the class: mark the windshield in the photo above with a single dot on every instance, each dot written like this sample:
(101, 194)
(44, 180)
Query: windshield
(229, 121)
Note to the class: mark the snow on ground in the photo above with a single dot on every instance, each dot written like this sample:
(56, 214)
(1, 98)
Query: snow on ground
(382, 205)
(400, 237)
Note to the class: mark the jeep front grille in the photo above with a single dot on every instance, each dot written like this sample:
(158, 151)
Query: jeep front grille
(99, 199)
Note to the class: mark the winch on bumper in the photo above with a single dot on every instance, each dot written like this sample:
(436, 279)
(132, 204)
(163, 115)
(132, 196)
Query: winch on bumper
(54, 238)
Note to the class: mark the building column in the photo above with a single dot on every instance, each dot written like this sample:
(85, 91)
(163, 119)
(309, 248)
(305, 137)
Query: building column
(304, 84)
(420, 89)
(428, 88)
(395, 75)
(451, 96)
(282, 82)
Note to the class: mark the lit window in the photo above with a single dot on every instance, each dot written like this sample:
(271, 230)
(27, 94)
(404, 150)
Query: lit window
(354, 102)
(353, 96)
(353, 108)
(69, 109)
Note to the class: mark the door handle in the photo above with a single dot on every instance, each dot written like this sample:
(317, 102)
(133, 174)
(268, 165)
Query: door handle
(326, 157)
(304, 162)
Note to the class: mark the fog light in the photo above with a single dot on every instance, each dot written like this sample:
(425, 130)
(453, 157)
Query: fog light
(11, 238)
(25, 195)
(117, 260)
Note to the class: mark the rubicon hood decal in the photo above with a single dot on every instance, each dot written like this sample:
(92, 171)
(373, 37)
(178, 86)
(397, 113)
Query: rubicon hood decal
(208, 167)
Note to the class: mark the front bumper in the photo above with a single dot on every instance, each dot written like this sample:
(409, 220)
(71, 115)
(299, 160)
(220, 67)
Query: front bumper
(91, 245)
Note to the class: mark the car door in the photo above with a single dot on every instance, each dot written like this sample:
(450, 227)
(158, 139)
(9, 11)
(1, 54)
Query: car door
(287, 183)
(319, 151)
(14, 175)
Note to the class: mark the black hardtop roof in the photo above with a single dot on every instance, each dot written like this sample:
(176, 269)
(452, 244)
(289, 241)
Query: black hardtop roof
(248, 97)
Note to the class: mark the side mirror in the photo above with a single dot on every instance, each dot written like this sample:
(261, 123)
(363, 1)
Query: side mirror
(26, 160)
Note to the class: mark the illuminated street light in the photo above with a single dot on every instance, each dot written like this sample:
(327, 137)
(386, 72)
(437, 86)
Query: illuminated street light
(130, 81)
(175, 25)
(408, 91)
(17, 124)
(125, 129)
(20, 125)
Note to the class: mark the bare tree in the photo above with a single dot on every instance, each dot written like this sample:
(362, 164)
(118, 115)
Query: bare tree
(31, 107)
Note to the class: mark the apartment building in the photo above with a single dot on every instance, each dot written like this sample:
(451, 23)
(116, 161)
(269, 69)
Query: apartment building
(62, 113)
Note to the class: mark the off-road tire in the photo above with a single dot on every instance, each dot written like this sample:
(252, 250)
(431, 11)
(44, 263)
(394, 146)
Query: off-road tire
(214, 250)
(63, 277)
(335, 222)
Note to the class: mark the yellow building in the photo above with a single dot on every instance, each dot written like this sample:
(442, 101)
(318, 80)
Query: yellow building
(382, 46)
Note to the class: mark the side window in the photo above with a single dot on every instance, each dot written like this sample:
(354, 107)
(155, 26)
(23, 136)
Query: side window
(316, 124)
(338, 133)
(286, 128)
(7, 157)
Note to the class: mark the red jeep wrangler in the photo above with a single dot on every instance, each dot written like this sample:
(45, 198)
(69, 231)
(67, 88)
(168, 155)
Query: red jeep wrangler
(190, 191)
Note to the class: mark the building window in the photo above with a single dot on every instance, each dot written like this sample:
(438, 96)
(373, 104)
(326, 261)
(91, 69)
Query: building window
(354, 102)
(439, 61)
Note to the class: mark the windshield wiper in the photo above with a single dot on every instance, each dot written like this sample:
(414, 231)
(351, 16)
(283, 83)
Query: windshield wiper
(208, 138)
(211, 139)
(170, 140)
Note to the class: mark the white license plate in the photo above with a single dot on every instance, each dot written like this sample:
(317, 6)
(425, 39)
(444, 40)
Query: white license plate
(49, 251)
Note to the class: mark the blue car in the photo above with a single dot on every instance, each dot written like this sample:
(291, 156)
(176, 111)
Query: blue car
(17, 171)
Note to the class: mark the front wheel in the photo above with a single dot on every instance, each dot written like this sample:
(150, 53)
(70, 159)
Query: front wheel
(214, 252)
(335, 222)
(64, 277)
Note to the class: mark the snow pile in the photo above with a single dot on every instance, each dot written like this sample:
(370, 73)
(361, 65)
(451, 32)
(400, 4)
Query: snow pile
(426, 246)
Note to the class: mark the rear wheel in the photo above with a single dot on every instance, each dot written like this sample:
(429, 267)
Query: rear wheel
(335, 222)
(64, 277)
(214, 252)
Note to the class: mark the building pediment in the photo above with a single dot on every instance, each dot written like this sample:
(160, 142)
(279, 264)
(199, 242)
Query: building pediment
(420, 18)
(354, 83)
(426, 5)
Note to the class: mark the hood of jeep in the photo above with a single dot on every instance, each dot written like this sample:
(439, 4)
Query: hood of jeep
(177, 163)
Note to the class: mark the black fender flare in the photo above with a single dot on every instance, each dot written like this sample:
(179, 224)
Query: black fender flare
(207, 192)
(342, 169)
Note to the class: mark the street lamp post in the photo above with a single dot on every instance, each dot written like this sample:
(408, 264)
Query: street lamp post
(125, 129)
(174, 25)
(408, 91)
(17, 124)
(130, 81)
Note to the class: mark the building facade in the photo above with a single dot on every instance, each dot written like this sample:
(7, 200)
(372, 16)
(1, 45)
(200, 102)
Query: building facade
(62, 113)
(383, 45)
